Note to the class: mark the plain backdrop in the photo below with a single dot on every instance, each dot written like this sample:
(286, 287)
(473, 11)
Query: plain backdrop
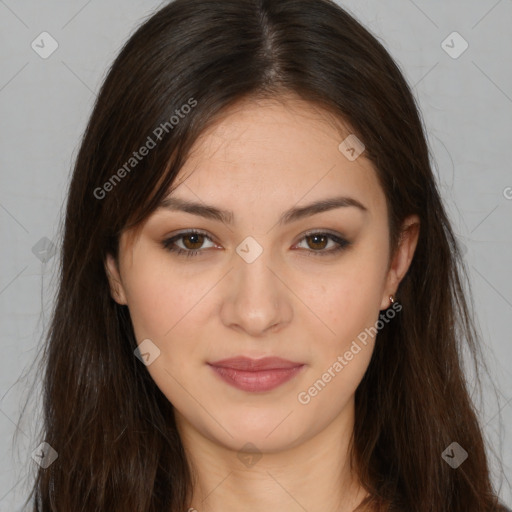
(462, 81)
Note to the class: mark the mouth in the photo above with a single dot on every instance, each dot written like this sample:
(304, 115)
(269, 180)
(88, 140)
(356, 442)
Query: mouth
(256, 375)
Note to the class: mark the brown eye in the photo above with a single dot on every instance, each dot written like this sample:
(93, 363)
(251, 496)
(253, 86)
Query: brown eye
(323, 243)
(188, 243)
(318, 241)
(193, 241)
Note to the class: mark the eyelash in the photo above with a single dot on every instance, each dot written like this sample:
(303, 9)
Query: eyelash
(168, 244)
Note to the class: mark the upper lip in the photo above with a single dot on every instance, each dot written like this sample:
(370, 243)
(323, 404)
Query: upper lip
(248, 364)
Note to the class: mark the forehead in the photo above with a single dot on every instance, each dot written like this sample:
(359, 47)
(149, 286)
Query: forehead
(276, 150)
(263, 157)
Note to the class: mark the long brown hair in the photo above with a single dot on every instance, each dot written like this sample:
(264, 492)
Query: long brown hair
(113, 429)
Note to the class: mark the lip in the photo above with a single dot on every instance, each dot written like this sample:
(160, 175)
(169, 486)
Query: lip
(256, 375)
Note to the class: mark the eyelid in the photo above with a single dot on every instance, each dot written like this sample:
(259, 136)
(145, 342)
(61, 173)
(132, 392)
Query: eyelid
(323, 231)
(191, 231)
(314, 231)
(341, 242)
(339, 239)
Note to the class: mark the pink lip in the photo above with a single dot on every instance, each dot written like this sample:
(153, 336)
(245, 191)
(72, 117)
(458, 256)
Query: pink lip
(256, 374)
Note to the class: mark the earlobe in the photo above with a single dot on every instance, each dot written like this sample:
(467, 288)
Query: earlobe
(114, 279)
(402, 258)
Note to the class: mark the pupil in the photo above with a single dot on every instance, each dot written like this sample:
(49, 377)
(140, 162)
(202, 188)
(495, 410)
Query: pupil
(192, 237)
(316, 238)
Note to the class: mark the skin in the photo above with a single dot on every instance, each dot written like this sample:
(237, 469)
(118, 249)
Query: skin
(262, 158)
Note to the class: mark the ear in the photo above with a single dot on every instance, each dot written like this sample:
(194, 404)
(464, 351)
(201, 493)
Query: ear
(114, 278)
(402, 257)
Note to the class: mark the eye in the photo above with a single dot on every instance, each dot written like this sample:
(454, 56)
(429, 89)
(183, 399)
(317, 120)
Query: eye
(193, 241)
(317, 241)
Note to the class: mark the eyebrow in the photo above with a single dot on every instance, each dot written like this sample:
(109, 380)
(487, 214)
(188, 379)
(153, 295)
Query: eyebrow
(293, 214)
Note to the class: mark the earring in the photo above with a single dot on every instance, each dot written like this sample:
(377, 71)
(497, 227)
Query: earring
(391, 299)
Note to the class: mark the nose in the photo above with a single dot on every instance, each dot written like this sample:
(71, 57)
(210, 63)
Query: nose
(256, 300)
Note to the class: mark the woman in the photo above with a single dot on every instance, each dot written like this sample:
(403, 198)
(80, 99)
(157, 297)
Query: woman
(261, 300)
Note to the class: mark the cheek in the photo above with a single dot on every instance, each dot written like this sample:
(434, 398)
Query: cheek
(169, 307)
(348, 300)
(349, 306)
(164, 307)
(156, 298)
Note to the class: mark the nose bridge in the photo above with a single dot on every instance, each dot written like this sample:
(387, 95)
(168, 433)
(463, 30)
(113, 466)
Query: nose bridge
(256, 284)
(256, 299)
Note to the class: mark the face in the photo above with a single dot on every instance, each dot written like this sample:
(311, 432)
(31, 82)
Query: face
(306, 287)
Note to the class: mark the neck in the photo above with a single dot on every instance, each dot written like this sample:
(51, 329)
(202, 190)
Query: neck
(312, 475)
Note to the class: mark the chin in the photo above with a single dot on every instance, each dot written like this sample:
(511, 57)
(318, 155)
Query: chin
(269, 431)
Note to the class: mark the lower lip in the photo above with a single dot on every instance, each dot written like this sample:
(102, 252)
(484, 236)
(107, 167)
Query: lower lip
(262, 380)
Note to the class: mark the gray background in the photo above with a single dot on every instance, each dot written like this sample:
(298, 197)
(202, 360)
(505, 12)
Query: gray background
(467, 108)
